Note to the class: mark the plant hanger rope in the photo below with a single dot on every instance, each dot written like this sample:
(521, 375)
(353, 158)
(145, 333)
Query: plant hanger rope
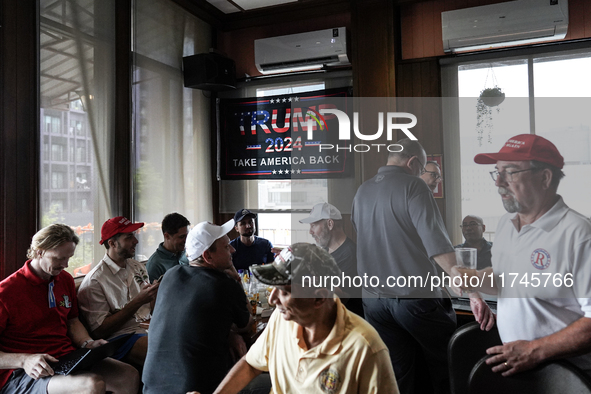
(490, 71)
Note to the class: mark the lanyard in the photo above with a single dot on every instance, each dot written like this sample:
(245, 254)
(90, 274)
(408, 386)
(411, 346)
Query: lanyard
(50, 296)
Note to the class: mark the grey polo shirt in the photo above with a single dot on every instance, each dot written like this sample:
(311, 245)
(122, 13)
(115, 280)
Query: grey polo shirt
(399, 228)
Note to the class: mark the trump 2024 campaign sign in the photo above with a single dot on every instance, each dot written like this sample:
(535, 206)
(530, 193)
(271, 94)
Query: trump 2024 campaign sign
(268, 137)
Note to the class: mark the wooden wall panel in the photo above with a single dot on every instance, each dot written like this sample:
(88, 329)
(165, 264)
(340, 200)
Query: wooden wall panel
(422, 79)
(421, 24)
(122, 166)
(576, 19)
(587, 16)
(374, 30)
(19, 146)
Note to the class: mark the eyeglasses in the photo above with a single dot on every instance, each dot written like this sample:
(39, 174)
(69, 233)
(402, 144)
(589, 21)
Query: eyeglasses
(435, 175)
(471, 224)
(422, 167)
(507, 176)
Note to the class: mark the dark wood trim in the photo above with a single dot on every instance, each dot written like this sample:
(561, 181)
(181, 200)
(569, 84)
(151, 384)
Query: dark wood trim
(204, 11)
(373, 59)
(19, 141)
(213, 152)
(290, 12)
(122, 170)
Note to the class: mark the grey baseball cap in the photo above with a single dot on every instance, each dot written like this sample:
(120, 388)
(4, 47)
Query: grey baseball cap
(294, 262)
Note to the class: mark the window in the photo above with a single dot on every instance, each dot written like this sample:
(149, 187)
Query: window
(57, 152)
(554, 106)
(58, 180)
(76, 60)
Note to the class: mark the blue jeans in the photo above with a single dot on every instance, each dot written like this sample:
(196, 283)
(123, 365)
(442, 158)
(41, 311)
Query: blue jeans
(416, 332)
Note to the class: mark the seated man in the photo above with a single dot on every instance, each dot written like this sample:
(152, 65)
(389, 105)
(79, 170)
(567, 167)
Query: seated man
(539, 240)
(326, 227)
(171, 252)
(250, 249)
(312, 345)
(39, 324)
(197, 306)
(473, 228)
(115, 296)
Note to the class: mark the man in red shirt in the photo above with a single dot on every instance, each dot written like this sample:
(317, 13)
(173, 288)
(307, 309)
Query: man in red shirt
(39, 324)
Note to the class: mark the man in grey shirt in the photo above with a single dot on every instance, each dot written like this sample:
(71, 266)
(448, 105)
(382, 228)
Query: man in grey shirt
(399, 230)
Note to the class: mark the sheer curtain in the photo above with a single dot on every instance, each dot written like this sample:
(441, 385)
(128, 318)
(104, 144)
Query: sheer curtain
(76, 88)
(171, 124)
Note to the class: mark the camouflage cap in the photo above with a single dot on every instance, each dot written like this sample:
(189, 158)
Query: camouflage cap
(295, 261)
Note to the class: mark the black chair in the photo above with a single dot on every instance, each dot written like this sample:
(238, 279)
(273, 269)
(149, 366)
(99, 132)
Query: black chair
(466, 347)
(555, 377)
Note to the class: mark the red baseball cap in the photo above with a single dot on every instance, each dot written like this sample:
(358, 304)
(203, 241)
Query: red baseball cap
(119, 224)
(524, 147)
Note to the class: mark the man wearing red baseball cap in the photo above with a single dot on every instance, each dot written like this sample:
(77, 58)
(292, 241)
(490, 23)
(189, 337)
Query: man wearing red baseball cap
(116, 296)
(540, 261)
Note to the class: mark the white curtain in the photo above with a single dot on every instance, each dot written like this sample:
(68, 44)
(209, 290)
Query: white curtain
(171, 124)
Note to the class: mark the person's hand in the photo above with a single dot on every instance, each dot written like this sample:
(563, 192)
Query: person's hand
(37, 365)
(461, 276)
(513, 357)
(147, 293)
(233, 274)
(276, 251)
(96, 343)
(482, 313)
(454, 274)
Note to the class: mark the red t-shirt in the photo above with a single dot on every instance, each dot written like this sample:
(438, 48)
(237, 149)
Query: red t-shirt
(27, 323)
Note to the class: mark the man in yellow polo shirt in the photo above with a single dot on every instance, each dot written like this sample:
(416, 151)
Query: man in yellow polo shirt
(312, 343)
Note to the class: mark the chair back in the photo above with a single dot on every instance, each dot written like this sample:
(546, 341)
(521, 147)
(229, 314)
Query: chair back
(466, 347)
(555, 377)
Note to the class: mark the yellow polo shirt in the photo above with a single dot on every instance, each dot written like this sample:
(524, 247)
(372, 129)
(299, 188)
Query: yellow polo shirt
(352, 359)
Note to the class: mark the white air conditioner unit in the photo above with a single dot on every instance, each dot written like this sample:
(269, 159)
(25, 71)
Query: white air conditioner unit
(503, 24)
(301, 52)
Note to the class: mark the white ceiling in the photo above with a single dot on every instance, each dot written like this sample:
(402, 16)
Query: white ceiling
(230, 6)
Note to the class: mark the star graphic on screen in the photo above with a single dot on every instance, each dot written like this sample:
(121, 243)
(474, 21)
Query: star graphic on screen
(284, 100)
(293, 171)
(274, 172)
(289, 100)
(271, 101)
(299, 171)
(280, 172)
(296, 99)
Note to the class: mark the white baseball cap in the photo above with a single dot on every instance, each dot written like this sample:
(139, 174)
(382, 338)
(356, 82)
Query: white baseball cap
(203, 235)
(321, 211)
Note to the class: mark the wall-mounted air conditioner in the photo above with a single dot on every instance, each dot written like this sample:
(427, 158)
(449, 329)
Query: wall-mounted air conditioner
(503, 24)
(300, 52)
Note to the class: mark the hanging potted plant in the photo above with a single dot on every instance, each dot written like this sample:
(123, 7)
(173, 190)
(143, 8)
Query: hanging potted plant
(492, 97)
(487, 100)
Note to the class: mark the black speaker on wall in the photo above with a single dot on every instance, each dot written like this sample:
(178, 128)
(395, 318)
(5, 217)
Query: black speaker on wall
(209, 71)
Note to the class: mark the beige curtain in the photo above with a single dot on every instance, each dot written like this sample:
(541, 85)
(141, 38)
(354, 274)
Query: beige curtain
(170, 123)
